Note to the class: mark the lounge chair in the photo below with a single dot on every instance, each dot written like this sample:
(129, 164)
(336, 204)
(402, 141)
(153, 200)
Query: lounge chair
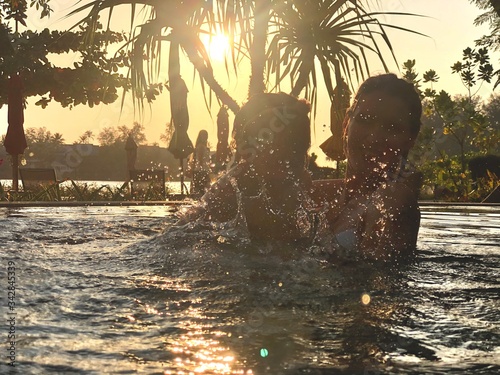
(40, 183)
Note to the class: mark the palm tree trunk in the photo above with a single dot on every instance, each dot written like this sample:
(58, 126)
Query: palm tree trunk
(174, 64)
(307, 66)
(258, 47)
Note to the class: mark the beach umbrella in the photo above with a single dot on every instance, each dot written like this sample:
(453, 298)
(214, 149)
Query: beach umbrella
(222, 152)
(131, 149)
(333, 146)
(180, 145)
(15, 140)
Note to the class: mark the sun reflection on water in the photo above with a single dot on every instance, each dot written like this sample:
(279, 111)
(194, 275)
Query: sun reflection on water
(198, 351)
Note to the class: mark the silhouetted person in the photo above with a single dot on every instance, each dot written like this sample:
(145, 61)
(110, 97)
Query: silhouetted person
(200, 165)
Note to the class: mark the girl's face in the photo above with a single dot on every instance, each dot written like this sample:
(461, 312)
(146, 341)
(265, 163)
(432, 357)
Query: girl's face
(281, 158)
(277, 143)
(378, 134)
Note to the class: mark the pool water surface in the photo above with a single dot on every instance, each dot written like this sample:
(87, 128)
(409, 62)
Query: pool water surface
(117, 290)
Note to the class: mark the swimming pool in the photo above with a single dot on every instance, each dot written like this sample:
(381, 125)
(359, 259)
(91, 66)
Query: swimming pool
(104, 290)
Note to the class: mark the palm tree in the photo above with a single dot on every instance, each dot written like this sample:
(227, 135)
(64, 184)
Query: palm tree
(172, 21)
(85, 138)
(283, 39)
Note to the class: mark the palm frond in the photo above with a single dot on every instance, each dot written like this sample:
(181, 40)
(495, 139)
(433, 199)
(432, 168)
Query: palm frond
(336, 34)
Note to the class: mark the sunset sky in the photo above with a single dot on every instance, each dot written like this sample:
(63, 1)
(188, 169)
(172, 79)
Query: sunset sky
(449, 26)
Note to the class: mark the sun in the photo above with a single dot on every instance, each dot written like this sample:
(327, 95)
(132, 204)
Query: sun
(217, 46)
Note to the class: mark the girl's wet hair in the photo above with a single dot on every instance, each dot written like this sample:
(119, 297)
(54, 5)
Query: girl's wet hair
(391, 85)
(280, 117)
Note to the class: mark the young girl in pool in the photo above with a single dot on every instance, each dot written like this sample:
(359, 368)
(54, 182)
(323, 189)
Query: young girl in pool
(268, 187)
(374, 211)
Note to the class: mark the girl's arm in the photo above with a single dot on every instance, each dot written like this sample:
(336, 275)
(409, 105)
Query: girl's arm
(380, 226)
(217, 204)
(391, 222)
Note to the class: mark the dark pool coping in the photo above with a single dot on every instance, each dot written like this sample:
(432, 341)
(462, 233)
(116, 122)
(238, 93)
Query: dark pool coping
(461, 207)
(93, 203)
(187, 202)
(466, 204)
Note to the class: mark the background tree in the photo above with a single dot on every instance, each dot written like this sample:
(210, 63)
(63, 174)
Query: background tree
(491, 110)
(166, 136)
(43, 147)
(462, 117)
(454, 129)
(490, 17)
(92, 80)
(16, 10)
(86, 138)
(94, 77)
(110, 136)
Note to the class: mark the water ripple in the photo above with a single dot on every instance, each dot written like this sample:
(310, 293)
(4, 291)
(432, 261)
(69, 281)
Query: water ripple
(117, 290)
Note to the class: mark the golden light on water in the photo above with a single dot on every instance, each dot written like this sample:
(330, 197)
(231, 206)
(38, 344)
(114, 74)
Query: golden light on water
(131, 318)
(151, 310)
(200, 352)
(365, 299)
(197, 351)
